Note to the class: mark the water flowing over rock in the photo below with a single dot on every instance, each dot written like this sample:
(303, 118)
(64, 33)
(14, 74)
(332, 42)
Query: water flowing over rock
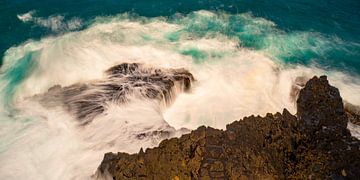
(353, 113)
(124, 81)
(314, 144)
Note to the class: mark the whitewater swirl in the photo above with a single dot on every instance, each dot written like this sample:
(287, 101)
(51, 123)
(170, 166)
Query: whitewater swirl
(112, 85)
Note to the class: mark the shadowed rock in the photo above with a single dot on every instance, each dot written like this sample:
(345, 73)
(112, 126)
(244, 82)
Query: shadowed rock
(124, 81)
(315, 144)
(297, 85)
(319, 106)
(352, 111)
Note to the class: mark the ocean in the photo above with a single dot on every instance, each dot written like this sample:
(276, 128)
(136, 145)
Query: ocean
(245, 56)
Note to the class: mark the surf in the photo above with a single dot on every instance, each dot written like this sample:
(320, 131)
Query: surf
(240, 65)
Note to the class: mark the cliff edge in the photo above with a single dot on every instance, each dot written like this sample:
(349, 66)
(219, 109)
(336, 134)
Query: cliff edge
(314, 144)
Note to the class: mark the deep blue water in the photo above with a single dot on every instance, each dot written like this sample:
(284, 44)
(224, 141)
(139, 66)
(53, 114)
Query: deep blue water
(332, 19)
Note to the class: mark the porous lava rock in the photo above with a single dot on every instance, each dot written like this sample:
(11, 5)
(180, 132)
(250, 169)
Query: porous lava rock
(314, 144)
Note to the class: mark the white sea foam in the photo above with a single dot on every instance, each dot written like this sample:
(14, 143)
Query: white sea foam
(55, 23)
(354, 129)
(53, 146)
(26, 16)
(233, 83)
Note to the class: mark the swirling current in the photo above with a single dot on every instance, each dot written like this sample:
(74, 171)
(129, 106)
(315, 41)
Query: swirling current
(79, 79)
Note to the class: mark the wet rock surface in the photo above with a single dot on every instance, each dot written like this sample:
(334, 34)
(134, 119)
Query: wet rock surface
(123, 82)
(353, 113)
(314, 144)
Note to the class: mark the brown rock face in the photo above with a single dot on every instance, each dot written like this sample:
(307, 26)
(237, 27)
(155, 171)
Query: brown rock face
(320, 106)
(313, 145)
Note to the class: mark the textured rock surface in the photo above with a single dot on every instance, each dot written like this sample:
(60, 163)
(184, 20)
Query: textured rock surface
(315, 144)
(123, 82)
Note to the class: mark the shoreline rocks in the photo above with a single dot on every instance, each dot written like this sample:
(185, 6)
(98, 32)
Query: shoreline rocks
(123, 83)
(314, 144)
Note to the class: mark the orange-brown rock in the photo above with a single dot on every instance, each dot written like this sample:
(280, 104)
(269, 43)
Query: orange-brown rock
(314, 144)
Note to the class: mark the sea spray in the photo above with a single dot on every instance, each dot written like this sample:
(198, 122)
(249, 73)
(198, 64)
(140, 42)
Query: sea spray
(242, 64)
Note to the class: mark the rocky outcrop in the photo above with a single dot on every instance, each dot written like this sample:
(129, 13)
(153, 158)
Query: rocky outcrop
(314, 144)
(123, 82)
(352, 111)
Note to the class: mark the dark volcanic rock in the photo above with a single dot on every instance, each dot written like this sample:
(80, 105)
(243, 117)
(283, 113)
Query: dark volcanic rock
(319, 105)
(352, 111)
(123, 82)
(315, 144)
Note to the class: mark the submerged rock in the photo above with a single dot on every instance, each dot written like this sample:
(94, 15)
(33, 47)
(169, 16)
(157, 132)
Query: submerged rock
(315, 144)
(123, 82)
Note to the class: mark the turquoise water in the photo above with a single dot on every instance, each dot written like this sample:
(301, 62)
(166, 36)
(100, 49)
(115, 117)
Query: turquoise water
(332, 24)
(246, 57)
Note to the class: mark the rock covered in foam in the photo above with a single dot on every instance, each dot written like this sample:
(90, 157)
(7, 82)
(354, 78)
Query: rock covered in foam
(353, 113)
(313, 145)
(123, 82)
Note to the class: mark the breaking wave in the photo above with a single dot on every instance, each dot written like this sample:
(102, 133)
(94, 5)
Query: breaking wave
(238, 65)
